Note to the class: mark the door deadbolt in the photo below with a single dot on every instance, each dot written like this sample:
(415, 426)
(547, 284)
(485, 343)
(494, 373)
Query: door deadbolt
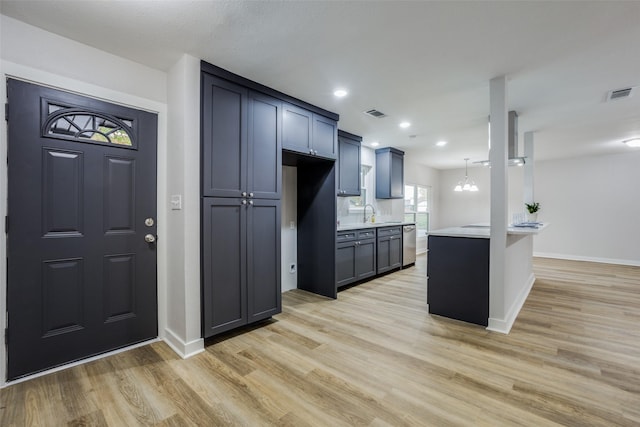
(149, 238)
(149, 222)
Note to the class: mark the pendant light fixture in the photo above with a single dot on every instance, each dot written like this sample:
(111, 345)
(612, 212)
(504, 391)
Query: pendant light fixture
(466, 185)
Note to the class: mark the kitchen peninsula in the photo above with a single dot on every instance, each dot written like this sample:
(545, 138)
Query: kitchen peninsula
(458, 273)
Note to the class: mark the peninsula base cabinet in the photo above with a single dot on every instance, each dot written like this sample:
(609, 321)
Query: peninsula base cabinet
(355, 256)
(241, 262)
(389, 249)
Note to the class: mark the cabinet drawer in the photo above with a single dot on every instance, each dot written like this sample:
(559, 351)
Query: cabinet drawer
(367, 234)
(346, 236)
(389, 231)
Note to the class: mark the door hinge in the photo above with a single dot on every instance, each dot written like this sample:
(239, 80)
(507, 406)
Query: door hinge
(6, 111)
(6, 224)
(6, 336)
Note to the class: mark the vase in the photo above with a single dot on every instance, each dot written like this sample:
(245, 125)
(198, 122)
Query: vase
(533, 217)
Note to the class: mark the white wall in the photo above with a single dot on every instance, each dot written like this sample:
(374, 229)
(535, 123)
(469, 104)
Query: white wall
(289, 237)
(183, 330)
(593, 207)
(460, 208)
(32, 54)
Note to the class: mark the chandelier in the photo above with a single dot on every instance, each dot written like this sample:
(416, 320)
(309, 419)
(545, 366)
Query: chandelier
(466, 185)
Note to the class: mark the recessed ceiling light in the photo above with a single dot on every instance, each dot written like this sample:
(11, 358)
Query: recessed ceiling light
(441, 143)
(340, 93)
(404, 125)
(635, 142)
(375, 144)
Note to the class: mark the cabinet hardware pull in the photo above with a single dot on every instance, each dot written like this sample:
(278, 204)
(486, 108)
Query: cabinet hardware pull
(250, 194)
(244, 202)
(251, 202)
(243, 194)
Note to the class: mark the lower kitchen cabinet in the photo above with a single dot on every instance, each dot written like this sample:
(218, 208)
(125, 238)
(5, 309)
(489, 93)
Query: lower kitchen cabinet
(241, 262)
(389, 248)
(355, 256)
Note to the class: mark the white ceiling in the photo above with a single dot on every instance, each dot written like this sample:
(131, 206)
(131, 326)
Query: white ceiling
(426, 62)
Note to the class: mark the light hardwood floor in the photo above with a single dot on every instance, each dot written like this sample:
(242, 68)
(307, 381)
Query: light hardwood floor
(375, 357)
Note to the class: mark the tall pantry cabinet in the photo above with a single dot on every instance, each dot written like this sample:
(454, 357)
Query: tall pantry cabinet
(241, 190)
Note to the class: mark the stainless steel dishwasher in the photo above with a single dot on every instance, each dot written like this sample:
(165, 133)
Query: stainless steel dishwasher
(408, 245)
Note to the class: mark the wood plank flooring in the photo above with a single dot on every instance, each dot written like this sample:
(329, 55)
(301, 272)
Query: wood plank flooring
(375, 357)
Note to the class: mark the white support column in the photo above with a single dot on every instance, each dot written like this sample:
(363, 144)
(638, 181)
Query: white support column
(528, 168)
(498, 155)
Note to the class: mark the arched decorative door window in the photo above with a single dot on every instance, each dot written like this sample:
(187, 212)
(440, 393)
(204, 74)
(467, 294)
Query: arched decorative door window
(77, 124)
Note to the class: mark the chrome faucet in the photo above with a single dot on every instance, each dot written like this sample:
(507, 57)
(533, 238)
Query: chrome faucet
(364, 212)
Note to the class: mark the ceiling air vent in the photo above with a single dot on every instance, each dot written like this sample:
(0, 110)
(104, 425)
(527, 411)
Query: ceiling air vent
(619, 93)
(375, 113)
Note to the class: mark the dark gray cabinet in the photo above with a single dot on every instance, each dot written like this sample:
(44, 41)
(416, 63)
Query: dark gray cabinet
(389, 173)
(241, 141)
(389, 248)
(355, 256)
(309, 133)
(458, 278)
(241, 187)
(241, 262)
(348, 164)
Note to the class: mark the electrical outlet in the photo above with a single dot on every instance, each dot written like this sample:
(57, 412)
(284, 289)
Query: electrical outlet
(292, 268)
(292, 225)
(176, 202)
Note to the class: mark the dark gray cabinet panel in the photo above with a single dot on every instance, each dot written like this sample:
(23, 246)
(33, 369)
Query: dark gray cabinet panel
(297, 129)
(365, 259)
(317, 226)
(224, 138)
(458, 278)
(309, 133)
(348, 164)
(263, 259)
(345, 263)
(389, 249)
(389, 173)
(224, 226)
(325, 137)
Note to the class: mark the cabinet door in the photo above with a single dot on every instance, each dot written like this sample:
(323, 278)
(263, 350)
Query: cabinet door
(383, 254)
(224, 286)
(365, 262)
(397, 176)
(348, 167)
(264, 173)
(263, 259)
(297, 127)
(325, 137)
(395, 252)
(345, 263)
(224, 138)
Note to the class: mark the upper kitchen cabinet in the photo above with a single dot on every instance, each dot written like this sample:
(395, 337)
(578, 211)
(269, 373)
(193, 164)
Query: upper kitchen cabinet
(348, 164)
(389, 173)
(241, 141)
(309, 133)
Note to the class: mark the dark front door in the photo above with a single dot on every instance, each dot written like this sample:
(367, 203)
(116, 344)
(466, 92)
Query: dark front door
(81, 225)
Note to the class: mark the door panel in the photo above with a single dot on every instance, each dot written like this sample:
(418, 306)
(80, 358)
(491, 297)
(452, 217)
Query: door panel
(224, 137)
(82, 180)
(265, 147)
(325, 137)
(263, 262)
(224, 260)
(296, 129)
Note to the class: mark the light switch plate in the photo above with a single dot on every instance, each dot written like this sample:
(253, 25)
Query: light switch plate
(176, 202)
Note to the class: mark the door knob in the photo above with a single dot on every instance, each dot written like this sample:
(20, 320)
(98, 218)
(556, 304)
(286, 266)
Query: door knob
(149, 238)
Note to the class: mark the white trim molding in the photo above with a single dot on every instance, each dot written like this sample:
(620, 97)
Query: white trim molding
(183, 349)
(504, 325)
(630, 262)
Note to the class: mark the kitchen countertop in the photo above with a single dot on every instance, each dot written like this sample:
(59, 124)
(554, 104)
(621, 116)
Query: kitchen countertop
(483, 231)
(358, 226)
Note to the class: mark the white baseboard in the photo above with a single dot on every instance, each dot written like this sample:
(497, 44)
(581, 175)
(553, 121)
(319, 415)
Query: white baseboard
(183, 349)
(631, 262)
(77, 363)
(504, 325)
